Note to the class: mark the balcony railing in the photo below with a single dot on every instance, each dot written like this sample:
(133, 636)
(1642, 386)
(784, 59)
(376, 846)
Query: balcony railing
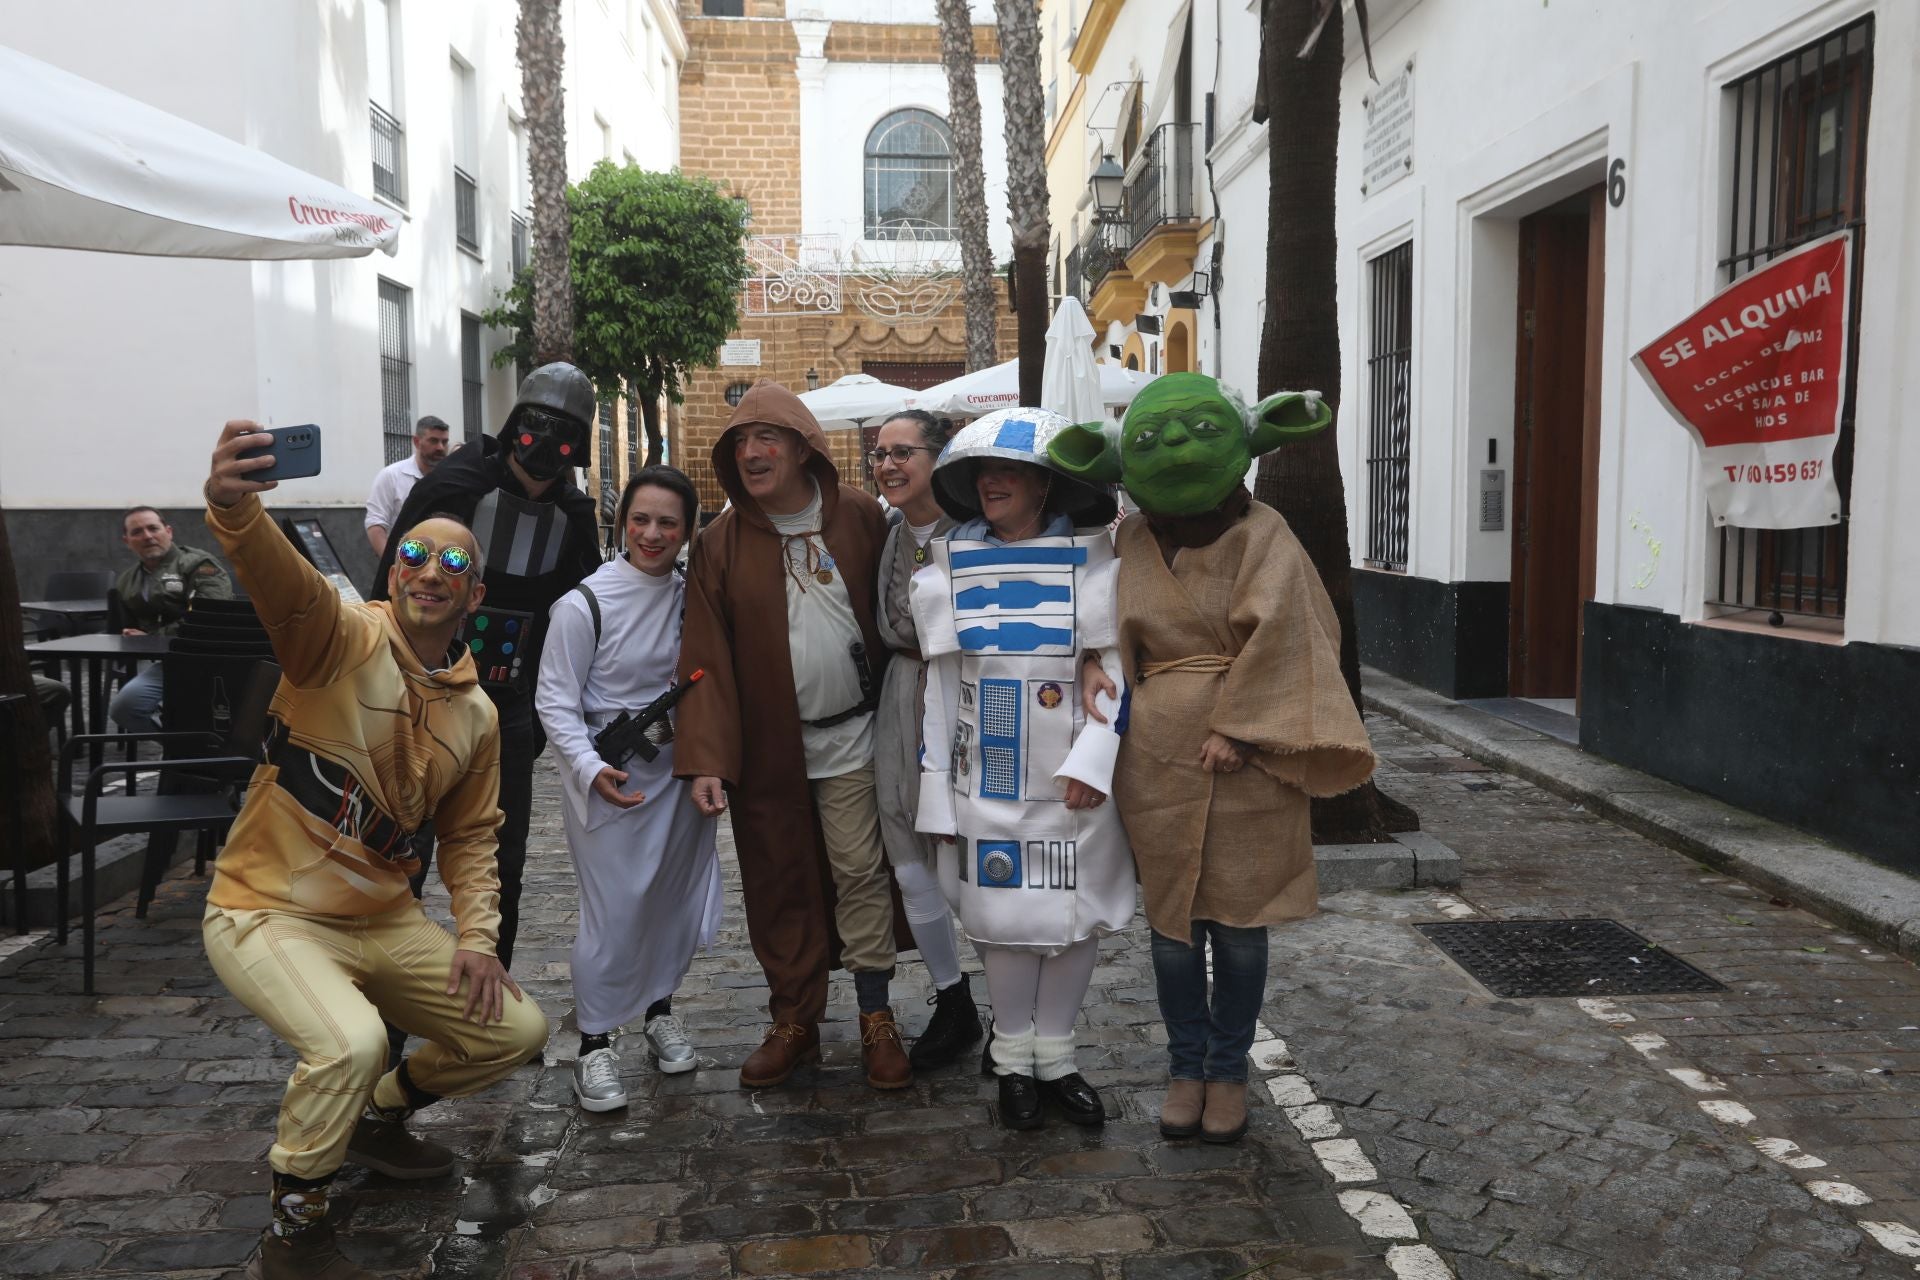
(389, 155)
(1162, 187)
(1102, 249)
(466, 210)
(520, 245)
(1074, 285)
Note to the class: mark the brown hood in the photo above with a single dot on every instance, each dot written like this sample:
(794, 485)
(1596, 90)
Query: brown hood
(770, 403)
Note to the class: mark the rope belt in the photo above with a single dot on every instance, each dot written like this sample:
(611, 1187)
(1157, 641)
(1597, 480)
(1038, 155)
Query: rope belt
(1204, 664)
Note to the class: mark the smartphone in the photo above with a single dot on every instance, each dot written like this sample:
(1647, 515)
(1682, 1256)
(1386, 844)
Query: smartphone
(295, 450)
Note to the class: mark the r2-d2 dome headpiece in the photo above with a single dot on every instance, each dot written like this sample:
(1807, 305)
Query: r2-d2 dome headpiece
(1022, 435)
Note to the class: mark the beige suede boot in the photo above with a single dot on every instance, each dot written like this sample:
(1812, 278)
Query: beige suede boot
(1180, 1113)
(1224, 1118)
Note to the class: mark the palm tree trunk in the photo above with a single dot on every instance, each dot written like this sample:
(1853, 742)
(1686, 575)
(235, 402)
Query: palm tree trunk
(1300, 345)
(969, 181)
(26, 784)
(542, 59)
(1026, 182)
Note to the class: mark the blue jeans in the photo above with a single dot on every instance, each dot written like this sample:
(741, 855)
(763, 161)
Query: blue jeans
(136, 708)
(1209, 1041)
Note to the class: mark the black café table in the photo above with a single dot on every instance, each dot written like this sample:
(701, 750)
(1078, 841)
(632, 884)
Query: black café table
(94, 652)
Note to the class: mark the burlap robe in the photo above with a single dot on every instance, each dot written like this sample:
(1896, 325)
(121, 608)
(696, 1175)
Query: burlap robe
(1234, 847)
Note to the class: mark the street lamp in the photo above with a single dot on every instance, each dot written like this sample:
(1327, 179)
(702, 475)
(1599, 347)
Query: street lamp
(813, 378)
(1109, 187)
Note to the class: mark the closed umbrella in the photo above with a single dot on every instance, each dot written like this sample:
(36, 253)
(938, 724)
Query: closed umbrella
(84, 167)
(1070, 382)
(850, 402)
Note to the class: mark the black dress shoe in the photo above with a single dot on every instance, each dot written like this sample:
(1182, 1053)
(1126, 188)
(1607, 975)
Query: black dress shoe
(1077, 1099)
(1020, 1102)
(955, 1025)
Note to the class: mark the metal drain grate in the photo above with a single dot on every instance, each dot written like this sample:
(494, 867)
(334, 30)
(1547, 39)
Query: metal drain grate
(1564, 958)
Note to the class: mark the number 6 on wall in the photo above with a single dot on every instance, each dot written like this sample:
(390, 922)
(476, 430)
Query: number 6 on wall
(1617, 183)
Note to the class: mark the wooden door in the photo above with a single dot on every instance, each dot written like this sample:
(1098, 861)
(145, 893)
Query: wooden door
(1556, 444)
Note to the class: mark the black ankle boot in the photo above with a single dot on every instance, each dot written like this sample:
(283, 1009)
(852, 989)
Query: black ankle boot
(1020, 1102)
(955, 1025)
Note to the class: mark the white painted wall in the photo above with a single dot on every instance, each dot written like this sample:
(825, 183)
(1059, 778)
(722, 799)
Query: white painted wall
(1516, 106)
(834, 122)
(134, 362)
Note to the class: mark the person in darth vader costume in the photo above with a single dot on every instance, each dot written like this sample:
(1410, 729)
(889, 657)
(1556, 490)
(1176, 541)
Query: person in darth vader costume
(538, 539)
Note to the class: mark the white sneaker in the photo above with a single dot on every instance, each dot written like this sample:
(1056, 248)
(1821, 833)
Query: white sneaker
(670, 1045)
(596, 1081)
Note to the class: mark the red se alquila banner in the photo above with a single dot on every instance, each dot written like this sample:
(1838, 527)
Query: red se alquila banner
(1756, 375)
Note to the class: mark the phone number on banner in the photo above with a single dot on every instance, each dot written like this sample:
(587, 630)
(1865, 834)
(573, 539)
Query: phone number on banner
(1774, 473)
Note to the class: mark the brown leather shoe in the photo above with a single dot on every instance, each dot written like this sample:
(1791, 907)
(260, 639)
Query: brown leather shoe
(787, 1045)
(306, 1255)
(1225, 1117)
(882, 1053)
(1180, 1113)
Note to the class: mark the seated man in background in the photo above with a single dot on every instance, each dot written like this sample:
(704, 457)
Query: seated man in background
(378, 725)
(153, 595)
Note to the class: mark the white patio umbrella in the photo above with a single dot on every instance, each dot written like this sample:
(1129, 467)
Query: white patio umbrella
(998, 387)
(1070, 382)
(852, 401)
(84, 167)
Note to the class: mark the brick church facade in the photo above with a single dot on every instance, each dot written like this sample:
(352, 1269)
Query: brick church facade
(747, 120)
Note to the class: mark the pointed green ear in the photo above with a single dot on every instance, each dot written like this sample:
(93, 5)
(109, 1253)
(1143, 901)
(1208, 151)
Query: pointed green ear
(1286, 417)
(1088, 452)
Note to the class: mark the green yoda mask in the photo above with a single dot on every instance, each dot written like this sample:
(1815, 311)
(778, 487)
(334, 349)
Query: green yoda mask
(1186, 442)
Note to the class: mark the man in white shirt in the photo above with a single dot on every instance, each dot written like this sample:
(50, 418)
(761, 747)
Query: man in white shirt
(396, 481)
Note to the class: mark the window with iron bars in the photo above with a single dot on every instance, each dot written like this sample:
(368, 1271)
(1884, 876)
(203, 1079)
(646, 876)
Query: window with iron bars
(466, 210)
(389, 155)
(473, 405)
(396, 369)
(1389, 405)
(1799, 173)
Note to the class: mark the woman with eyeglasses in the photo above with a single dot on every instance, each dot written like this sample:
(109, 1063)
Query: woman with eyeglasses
(902, 466)
(649, 877)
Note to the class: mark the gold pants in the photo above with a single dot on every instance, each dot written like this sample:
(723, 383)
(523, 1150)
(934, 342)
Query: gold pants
(849, 812)
(324, 986)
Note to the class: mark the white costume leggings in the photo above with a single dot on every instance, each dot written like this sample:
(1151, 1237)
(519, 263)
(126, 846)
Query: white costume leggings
(932, 921)
(1041, 994)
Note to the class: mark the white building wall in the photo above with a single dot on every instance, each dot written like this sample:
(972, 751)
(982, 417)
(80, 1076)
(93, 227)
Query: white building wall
(835, 120)
(1516, 107)
(138, 360)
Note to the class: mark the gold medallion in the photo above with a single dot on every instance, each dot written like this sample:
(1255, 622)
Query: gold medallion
(825, 576)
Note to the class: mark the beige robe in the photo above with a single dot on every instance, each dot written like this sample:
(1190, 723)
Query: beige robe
(1230, 847)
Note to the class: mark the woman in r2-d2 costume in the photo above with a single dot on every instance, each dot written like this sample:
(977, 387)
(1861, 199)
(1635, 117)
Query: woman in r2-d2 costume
(1038, 867)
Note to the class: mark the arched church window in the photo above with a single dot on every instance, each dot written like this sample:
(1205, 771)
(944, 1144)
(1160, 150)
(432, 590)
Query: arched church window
(909, 178)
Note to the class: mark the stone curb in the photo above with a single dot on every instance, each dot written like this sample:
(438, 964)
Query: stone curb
(1414, 859)
(1845, 887)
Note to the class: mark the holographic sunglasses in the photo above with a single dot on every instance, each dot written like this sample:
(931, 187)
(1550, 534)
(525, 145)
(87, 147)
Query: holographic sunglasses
(454, 561)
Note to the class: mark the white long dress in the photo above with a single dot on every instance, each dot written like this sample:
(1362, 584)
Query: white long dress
(649, 877)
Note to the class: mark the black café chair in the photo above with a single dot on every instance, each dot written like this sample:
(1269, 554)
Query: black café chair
(69, 584)
(197, 792)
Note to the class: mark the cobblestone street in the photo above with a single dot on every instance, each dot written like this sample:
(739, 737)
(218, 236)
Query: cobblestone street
(1526, 1137)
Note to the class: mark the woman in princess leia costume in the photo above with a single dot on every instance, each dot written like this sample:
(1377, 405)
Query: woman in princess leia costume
(1037, 861)
(650, 892)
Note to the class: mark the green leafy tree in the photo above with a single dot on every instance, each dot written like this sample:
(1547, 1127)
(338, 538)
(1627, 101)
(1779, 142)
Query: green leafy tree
(657, 259)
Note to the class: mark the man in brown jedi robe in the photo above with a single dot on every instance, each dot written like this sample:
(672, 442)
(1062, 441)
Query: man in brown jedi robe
(780, 616)
(1237, 716)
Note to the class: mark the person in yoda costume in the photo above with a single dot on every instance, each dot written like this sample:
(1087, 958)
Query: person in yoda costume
(1238, 715)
